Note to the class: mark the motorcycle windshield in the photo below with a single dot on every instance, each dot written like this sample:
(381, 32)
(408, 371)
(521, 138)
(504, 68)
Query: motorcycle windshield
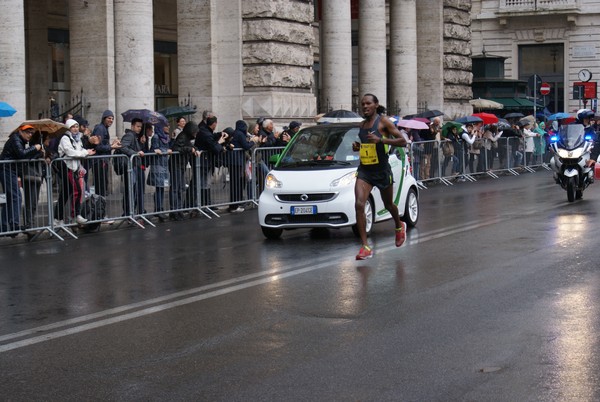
(572, 136)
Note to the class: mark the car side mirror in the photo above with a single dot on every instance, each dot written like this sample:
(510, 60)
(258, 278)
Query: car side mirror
(274, 159)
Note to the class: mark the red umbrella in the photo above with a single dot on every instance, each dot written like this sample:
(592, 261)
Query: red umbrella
(422, 120)
(487, 118)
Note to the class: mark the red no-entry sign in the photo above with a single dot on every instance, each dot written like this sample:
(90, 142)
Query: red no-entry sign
(545, 88)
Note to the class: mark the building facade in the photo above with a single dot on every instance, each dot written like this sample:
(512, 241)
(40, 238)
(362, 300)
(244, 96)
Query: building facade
(286, 59)
(553, 39)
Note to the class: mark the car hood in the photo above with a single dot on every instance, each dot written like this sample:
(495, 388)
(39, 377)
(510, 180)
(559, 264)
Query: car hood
(308, 180)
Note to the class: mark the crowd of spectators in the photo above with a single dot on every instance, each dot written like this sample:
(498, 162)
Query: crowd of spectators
(159, 159)
(472, 148)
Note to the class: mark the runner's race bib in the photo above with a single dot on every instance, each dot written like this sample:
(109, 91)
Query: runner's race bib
(368, 154)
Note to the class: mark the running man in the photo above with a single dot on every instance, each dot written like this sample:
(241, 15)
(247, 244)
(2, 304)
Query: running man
(377, 134)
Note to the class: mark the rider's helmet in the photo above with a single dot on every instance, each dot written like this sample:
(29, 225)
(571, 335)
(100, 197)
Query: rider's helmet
(584, 114)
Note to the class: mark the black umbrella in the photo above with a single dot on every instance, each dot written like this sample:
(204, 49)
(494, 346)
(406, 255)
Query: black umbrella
(340, 115)
(503, 124)
(515, 115)
(177, 111)
(147, 116)
(430, 114)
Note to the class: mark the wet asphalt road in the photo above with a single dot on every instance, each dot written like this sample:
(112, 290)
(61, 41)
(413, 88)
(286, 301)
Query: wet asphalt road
(493, 297)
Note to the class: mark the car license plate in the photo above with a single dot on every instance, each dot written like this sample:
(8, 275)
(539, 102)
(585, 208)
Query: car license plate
(307, 210)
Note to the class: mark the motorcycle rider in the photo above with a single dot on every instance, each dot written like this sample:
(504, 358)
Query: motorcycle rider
(585, 117)
(595, 152)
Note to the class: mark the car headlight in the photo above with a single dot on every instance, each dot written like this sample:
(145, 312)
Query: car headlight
(272, 182)
(345, 180)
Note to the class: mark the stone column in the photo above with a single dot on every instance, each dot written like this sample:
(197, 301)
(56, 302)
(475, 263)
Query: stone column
(92, 43)
(195, 53)
(277, 57)
(227, 61)
(134, 57)
(430, 31)
(12, 65)
(403, 56)
(37, 58)
(336, 55)
(372, 40)
(458, 75)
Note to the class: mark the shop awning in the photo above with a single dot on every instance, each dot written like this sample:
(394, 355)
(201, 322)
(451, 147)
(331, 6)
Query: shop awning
(516, 103)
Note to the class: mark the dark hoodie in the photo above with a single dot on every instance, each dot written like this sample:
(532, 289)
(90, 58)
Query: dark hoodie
(101, 130)
(185, 139)
(240, 141)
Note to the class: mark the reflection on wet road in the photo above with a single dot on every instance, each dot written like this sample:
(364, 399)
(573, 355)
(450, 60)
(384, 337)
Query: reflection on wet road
(493, 296)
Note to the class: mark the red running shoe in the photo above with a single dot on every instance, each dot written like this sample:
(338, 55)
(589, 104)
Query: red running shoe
(364, 253)
(401, 234)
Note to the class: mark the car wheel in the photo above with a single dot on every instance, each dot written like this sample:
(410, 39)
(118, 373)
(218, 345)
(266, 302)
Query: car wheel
(370, 214)
(271, 233)
(411, 209)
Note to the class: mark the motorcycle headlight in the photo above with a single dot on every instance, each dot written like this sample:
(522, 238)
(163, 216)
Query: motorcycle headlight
(272, 182)
(575, 154)
(345, 180)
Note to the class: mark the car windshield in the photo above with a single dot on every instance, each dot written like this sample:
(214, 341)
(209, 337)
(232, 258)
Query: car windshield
(571, 136)
(323, 145)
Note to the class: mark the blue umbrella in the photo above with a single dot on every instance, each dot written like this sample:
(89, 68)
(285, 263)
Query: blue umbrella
(6, 110)
(147, 116)
(559, 116)
(469, 120)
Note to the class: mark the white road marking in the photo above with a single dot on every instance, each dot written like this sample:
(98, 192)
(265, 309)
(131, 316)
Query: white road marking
(151, 306)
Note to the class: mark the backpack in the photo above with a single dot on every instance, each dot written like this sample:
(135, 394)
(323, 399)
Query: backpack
(447, 148)
(58, 167)
(93, 209)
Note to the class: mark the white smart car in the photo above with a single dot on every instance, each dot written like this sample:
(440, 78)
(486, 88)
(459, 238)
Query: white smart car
(312, 184)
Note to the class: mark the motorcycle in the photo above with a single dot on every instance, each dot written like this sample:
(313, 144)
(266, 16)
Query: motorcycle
(571, 148)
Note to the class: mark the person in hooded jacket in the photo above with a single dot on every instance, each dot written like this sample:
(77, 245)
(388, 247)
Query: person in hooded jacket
(71, 147)
(237, 163)
(184, 152)
(99, 141)
(132, 143)
(211, 148)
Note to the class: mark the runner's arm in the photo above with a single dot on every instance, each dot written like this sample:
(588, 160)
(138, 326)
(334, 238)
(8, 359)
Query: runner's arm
(394, 137)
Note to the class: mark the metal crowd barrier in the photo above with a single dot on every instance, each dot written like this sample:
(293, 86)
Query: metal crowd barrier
(260, 166)
(432, 162)
(38, 195)
(25, 197)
